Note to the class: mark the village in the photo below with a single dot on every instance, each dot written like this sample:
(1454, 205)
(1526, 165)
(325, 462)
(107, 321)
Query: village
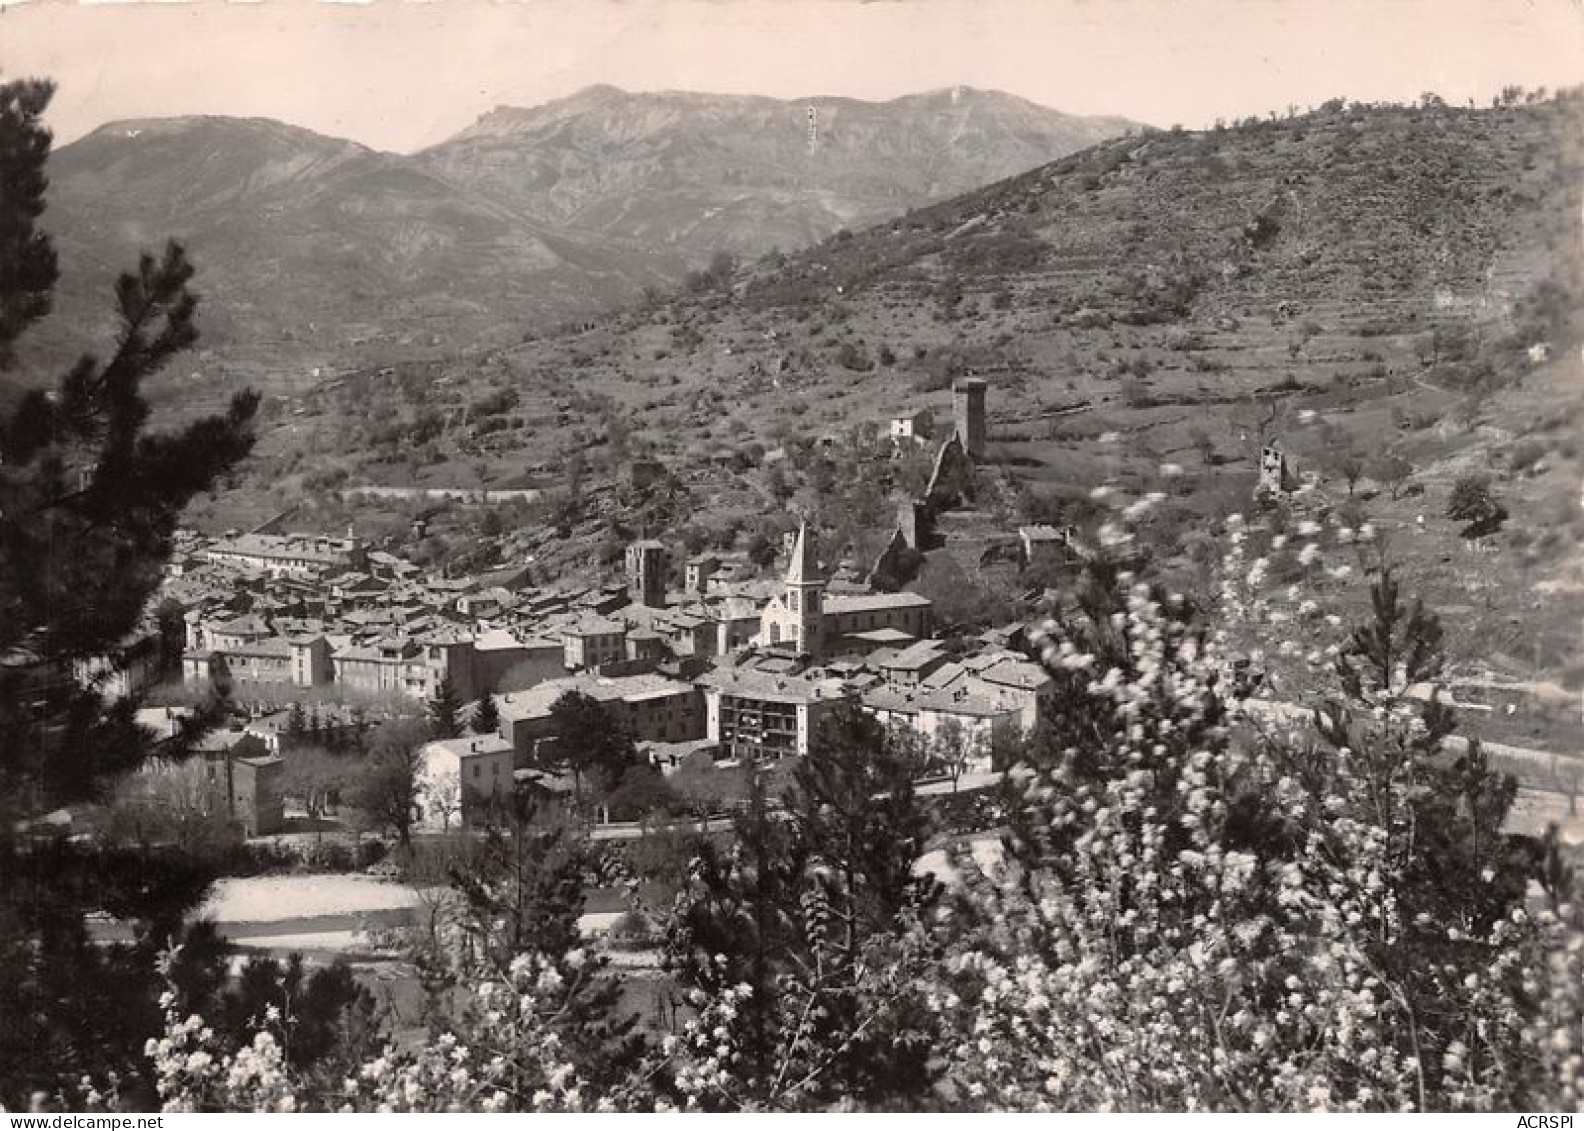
(739, 666)
(713, 666)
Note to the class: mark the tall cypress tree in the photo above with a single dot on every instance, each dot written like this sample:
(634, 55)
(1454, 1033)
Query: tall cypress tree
(296, 730)
(445, 710)
(486, 716)
(89, 502)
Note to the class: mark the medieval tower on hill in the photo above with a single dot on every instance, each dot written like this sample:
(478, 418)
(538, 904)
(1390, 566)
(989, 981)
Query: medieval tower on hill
(1276, 475)
(968, 409)
(646, 573)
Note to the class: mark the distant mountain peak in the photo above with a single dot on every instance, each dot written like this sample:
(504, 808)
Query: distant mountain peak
(218, 126)
(598, 92)
(692, 173)
(529, 215)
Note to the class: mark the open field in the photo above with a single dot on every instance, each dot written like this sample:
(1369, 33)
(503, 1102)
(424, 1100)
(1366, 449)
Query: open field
(272, 898)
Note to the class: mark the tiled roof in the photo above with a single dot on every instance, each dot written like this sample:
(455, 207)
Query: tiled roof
(771, 687)
(916, 656)
(323, 551)
(1041, 533)
(945, 675)
(536, 701)
(472, 745)
(950, 703)
(885, 636)
(876, 602)
(884, 698)
(595, 626)
(496, 640)
(1024, 674)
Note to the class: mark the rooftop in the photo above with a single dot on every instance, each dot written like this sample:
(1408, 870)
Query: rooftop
(962, 702)
(885, 698)
(916, 656)
(496, 639)
(305, 547)
(471, 745)
(595, 626)
(248, 625)
(878, 636)
(771, 687)
(876, 601)
(1024, 674)
(535, 702)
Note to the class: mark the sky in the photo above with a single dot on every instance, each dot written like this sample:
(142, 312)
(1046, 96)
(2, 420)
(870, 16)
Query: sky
(402, 74)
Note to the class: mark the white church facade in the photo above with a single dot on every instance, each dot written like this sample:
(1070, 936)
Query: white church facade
(805, 621)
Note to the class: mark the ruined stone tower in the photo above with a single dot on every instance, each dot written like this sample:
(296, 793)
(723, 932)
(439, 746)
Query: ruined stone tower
(1276, 476)
(646, 573)
(968, 409)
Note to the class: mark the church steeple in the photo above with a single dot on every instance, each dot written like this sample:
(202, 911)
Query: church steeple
(802, 570)
(803, 586)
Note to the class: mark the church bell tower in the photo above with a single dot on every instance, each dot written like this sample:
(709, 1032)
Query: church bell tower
(804, 590)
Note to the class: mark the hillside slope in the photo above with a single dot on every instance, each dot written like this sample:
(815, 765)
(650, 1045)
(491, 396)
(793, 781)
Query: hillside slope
(310, 248)
(1352, 283)
(316, 253)
(699, 173)
(1361, 251)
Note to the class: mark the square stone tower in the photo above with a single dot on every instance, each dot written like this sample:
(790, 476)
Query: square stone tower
(968, 410)
(646, 573)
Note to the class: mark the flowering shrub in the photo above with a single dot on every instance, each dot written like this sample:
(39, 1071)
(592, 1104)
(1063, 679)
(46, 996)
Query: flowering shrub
(1557, 1031)
(805, 944)
(1199, 909)
(1556, 983)
(513, 1059)
(1267, 585)
(1199, 916)
(825, 1036)
(194, 1075)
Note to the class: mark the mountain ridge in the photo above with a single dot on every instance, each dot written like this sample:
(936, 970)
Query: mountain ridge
(309, 248)
(701, 173)
(605, 95)
(316, 251)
